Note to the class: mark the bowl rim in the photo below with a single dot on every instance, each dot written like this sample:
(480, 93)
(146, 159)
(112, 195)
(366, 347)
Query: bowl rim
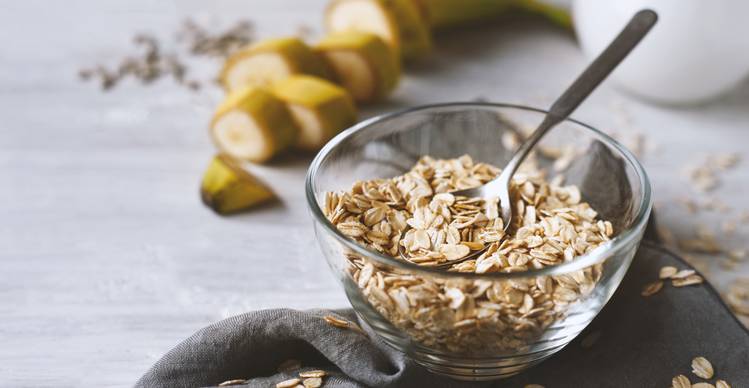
(600, 254)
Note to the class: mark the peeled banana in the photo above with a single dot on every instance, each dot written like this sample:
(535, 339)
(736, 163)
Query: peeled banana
(228, 188)
(269, 61)
(252, 124)
(320, 109)
(397, 22)
(362, 63)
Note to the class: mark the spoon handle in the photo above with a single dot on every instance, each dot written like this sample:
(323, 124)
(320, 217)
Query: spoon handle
(593, 75)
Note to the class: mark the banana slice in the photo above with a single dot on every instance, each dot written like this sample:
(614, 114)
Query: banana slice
(228, 188)
(449, 13)
(320, 109)
(252, 124)
(362, 63)
(269, 61)
(397, 22)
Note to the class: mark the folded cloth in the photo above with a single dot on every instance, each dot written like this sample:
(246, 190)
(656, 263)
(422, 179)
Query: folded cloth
(634, 342)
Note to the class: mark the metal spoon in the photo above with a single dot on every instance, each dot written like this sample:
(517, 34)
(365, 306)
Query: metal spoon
(597, 71)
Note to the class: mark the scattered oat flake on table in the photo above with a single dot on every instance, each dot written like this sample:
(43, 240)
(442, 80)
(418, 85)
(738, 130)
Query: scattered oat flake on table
(666, 272)
(687, 281)
(727, 264)
(715, 204)
(737, 297)
(704, 242)
(288, 383)
(703, 179)
(668, 237)
(728, 227)
(702, 367)
(726, 161)
(690, 205)
(737, 254)
(681, 381)
(232, 382)
(652, 288)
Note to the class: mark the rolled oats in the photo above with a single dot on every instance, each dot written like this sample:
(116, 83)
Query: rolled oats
(416, 211)
(288, 383)
(342, 324)
(684, 273)
(652, 288)
(229, 383)
(722, 384)
(312, 382)
(702, 367)
(667, 272)
(681, 381)
(313, 373)
(687, 281)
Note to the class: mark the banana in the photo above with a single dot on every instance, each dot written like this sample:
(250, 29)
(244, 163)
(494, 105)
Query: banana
(545, 8)
(252, 124)
(269, 61)
(228, 188)
(397, 22)
(441, 14)
(320, 109)
(362, 63)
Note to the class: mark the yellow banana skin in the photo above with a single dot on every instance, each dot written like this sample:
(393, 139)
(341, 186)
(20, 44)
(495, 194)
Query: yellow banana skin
(293, 52)
(277, 128)
(332, 106)
(444, 14)
(383, 64)
(407, 33)
(227, 188)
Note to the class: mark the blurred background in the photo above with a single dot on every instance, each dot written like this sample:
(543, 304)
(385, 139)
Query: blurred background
(108, 257)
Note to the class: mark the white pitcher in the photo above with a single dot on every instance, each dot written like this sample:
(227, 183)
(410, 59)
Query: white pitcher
(698, 50)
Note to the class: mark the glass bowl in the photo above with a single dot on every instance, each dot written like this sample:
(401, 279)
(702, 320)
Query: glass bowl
(490, 334)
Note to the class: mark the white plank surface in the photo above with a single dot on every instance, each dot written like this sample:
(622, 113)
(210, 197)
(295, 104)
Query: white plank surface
(107, 257)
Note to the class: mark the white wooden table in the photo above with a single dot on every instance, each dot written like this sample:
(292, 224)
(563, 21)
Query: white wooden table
(108, 258)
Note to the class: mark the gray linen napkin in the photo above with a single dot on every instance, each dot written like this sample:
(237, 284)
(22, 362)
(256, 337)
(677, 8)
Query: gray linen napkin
(643, 342)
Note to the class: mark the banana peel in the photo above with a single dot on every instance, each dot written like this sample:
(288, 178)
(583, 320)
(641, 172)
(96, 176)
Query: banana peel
(227, 188)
